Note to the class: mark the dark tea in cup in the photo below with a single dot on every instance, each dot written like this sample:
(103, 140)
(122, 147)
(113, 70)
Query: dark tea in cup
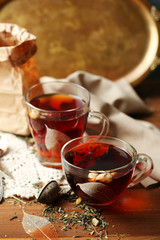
(57, 113)
(99, 169)
(68, 128)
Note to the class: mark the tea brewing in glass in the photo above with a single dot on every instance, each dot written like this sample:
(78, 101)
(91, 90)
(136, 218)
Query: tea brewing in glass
(58, 112)
(99, 169)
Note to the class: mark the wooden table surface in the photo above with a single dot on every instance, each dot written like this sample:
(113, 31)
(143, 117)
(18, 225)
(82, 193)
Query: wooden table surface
(136, 215)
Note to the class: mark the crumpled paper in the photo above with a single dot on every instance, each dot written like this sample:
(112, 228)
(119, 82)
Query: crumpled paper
(18, 72)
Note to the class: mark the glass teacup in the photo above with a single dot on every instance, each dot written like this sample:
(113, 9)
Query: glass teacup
(100, 168)
(58, 111)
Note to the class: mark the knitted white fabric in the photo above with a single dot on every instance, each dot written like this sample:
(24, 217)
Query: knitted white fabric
(23, 169)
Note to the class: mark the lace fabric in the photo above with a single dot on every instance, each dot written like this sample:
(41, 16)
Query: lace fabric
(23, 171)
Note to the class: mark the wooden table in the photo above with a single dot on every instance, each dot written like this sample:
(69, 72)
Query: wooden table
(136, 215)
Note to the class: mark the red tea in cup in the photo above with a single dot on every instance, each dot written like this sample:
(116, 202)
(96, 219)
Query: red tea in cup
(63, 129)
(58, 112)
(101, 187)
(99, 169)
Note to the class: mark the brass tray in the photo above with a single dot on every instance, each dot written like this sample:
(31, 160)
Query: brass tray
(111, 38)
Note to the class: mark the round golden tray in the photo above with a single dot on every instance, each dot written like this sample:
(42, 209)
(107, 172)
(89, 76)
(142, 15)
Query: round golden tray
(111, 38)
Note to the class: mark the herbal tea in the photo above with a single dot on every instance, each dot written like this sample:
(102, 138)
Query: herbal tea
(58, 112)
(63, 118)
(101, 185)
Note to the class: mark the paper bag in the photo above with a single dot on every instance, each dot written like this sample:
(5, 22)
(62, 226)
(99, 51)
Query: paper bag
(18, 72)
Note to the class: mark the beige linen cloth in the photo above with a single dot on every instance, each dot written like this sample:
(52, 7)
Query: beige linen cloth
(118, 100)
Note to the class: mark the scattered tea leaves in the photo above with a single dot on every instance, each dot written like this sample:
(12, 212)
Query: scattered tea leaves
(82, 215)
(12, 218)
(89, 218)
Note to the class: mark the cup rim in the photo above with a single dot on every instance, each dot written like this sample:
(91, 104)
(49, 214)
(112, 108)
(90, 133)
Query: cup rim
(56, 111)
(131, 163)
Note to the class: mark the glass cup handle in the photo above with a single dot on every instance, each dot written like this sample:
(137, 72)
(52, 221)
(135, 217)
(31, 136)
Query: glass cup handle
(143, 169)
(104, 121)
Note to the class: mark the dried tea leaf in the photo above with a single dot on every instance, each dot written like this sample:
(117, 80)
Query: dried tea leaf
(54, 140)
(97, 190)
(38, 227)
(53, 136)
